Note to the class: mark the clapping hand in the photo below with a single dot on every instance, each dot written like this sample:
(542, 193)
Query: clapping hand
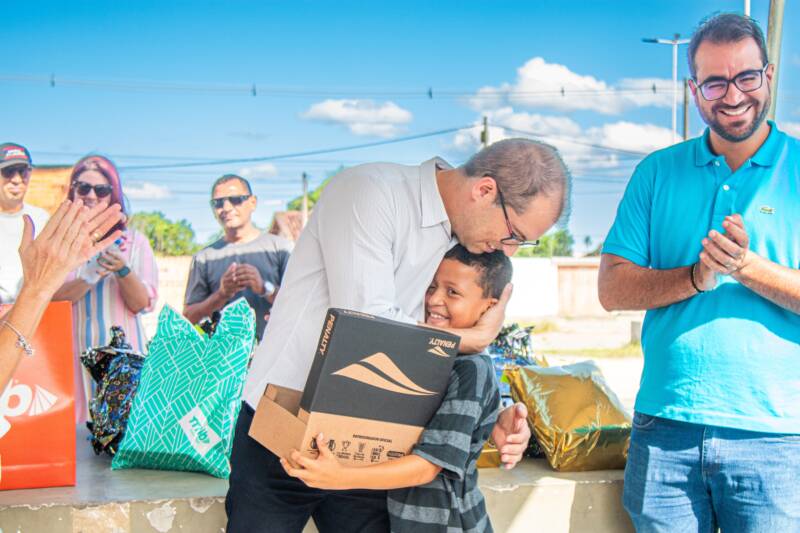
(72, 236)
(729, 252)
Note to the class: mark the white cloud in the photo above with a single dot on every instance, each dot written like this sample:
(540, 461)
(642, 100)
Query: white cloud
(147, 191)
(361, 117)
(259, 172)
(539, 84)
(792, 128)
(579, 147)
(630, 136)
(555, 130)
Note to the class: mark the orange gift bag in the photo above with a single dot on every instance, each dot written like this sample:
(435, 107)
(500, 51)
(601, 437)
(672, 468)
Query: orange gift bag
(37, 409)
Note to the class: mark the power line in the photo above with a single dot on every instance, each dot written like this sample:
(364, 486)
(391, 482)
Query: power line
(298, 154)
(575, 141)
(255, 90)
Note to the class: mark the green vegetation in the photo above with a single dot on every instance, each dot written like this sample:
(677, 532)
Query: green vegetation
(166, 237)
(556, 244)
(296, 204)
(545, 326)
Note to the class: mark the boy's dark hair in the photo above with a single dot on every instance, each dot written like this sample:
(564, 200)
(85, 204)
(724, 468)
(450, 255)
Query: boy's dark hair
(495, 268)
(726, 28)
(232, 177)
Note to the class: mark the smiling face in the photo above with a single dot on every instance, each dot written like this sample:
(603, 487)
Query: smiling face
(230, 216)
(93, 178)
(455, 297)
(480, 225)
(737, 115)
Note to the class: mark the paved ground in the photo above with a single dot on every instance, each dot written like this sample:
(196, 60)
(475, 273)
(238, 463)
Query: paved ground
(621, 373)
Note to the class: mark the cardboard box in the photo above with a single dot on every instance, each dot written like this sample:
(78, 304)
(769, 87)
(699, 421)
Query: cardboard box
(373, 386)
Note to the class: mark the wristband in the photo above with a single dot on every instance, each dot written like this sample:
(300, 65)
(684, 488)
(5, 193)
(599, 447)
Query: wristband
(122, 272)
(269, 288)
(691, 277)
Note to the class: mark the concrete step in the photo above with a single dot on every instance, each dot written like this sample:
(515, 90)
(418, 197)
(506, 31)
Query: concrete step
(532, 497)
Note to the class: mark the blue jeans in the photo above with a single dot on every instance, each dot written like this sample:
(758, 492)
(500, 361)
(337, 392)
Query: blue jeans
(683, 477)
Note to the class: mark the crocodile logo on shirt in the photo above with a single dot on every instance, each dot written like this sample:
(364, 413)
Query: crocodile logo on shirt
(767, 210)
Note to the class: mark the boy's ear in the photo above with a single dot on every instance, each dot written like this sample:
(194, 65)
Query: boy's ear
(490, 302)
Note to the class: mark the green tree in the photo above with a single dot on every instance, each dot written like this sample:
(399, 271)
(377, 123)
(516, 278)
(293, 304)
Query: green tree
(296, 204)
(556, 244)
(166, 237)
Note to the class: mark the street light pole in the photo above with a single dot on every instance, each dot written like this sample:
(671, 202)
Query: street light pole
(675, 42)
(774, 35)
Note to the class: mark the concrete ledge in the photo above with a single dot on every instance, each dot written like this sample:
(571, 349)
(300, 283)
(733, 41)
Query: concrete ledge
(529, 498)
(533, 497)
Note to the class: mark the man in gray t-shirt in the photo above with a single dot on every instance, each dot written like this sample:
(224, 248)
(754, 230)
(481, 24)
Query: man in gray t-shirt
(245, 262)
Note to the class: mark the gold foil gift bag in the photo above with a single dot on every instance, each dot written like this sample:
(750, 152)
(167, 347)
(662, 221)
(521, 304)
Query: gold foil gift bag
(577, 419)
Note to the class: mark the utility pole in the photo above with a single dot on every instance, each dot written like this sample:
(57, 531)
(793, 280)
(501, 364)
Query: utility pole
(485, 132)
(774, 35)
(305, 200)
(746, 8)
(675, 42)
(685, 109)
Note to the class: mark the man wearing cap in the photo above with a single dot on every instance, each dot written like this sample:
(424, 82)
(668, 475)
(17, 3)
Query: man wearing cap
(15, 173)
(245, 262)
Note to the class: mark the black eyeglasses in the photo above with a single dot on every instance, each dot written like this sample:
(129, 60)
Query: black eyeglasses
(513, 239)
(83, 189)
(24, 172)
(219, 203)
(747, 82)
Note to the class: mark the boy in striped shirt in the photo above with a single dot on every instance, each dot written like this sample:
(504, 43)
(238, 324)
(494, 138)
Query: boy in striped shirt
(435, 488)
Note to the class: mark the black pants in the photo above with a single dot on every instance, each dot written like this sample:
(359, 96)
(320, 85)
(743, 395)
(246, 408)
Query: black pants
(263, 498)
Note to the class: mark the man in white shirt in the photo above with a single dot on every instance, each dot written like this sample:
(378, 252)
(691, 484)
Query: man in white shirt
(15, 173)
(373, 243)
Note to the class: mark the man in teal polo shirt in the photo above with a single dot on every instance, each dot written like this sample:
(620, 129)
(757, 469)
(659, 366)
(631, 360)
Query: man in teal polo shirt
(706, 239)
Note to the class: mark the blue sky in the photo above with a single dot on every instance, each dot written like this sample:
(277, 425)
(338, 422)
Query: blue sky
(333, 74)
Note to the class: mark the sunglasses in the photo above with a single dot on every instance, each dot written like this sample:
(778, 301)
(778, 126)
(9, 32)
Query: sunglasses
(24, 172)
(219, 203)
(83, 189)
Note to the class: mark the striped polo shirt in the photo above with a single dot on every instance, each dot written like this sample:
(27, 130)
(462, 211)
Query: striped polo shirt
(453, 440)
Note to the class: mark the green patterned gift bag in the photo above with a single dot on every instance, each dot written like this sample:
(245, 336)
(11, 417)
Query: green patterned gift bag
(185, 410)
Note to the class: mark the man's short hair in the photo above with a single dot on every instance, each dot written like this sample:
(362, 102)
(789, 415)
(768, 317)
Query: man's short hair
(495, 268)
(726, 28)
(523, 168)
(232, 177)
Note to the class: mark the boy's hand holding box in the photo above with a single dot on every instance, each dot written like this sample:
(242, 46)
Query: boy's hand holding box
(373, 386)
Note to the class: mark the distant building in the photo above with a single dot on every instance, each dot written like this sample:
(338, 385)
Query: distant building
(48, 186)
(287, 224)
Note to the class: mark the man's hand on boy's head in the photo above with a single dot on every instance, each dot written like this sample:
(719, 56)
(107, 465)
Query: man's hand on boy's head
(478, 337)
(511, 434)
(324, 472)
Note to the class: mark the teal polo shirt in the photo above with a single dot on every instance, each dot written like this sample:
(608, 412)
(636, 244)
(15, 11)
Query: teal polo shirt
(726, 357)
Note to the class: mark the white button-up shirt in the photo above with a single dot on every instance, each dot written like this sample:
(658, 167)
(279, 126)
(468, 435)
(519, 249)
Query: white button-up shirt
(373, 242)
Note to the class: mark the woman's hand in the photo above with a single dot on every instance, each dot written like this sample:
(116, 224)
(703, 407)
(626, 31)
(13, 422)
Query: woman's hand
(71, 237)
(324, 472)
(112, 260)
